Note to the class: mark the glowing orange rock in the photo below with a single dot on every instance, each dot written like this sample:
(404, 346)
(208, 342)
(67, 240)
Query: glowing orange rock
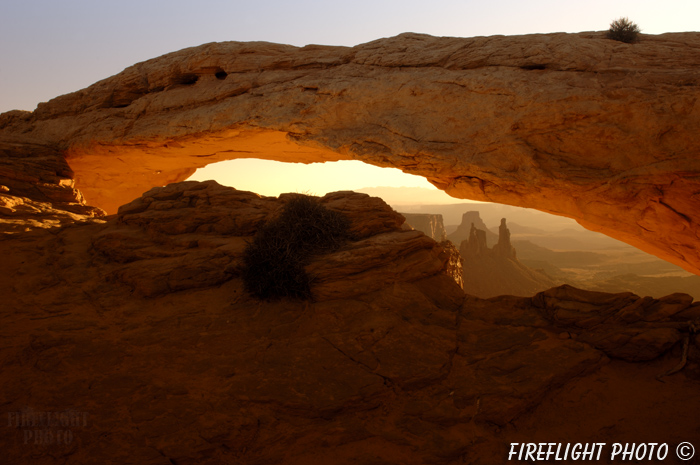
(572, 124)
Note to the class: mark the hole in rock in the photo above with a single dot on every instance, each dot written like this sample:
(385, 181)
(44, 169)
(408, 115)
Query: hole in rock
(186, 79)
(221, 75)
(537, 252)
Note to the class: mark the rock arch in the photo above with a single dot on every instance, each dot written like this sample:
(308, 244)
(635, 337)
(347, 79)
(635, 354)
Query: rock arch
(572, 124)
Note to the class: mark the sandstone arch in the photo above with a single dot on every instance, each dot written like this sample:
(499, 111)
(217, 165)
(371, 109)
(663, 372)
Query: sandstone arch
(572, 124)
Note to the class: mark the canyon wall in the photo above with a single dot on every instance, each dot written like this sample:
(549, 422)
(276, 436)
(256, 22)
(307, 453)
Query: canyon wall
(429, 224)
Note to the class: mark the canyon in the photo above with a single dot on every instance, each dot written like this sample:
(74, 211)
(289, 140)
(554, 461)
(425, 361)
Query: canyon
(494, 271)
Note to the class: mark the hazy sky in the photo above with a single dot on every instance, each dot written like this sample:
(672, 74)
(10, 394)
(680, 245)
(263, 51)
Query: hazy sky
(52, 47)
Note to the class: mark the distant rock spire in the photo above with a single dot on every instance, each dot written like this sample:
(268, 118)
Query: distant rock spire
(476, 244)
(504, 248)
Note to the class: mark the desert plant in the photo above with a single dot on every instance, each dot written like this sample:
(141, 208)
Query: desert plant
(623, 30)
(273, 263)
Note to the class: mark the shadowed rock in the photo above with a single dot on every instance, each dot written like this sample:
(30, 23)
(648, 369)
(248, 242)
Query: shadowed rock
(143, 324)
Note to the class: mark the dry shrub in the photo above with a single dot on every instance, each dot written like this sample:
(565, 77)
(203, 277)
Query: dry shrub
(273, 263)
(623, 30)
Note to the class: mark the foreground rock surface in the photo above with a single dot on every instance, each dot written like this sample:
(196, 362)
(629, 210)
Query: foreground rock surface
(574, 124)
(142, 328)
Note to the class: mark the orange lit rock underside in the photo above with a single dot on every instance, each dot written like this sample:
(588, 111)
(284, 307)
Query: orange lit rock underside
(573, 124)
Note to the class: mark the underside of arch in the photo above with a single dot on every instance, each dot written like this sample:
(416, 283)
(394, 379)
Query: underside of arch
(572, 124)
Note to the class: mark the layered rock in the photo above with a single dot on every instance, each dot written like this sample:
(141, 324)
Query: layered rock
(454, 266)
(430, 224)
(381, 254)
(37, 189)
(624, 326)
(141, 328)
(573, 124)
(490, 272)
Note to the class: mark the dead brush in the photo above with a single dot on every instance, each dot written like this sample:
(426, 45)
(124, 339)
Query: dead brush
(273, 263)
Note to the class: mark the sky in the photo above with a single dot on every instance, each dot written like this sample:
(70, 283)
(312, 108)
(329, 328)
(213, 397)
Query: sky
(52, 47)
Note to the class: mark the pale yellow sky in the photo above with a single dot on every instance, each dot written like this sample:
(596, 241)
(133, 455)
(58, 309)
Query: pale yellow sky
(273, 178)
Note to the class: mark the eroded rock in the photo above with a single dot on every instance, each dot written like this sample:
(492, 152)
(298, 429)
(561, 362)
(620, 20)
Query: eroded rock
(37, 189)
(146, 327)
(573, 124)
